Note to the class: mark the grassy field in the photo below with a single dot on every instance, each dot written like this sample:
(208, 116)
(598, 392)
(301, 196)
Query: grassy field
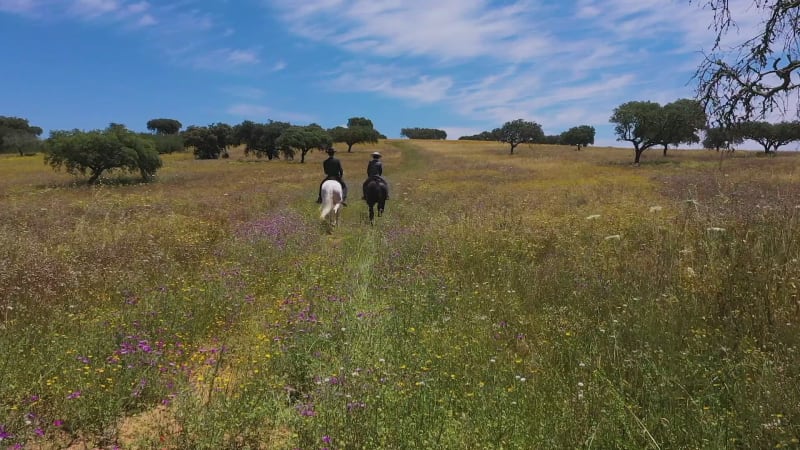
(549, 299)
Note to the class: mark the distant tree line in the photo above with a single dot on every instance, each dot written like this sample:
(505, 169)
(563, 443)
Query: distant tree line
(647, 124)
(275, 139)
(520, 131)
(116, 148)
(423, 133)
(771, 136)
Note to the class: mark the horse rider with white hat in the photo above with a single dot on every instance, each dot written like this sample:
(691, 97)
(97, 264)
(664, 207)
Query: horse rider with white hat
(375, 169)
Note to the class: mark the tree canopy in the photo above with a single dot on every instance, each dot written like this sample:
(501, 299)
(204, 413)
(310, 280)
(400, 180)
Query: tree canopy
(768, 135)
(579, 136)
(519, 131)
(638, 122)
(359, 122)
(681, 122)
(100, 151)
(482, 136)
(208, 142)
(17, 135)
(720, 138)
(761, 74)
(164, 126)
(423, 133)
(359, 130)
(259, 138)
(304, 139)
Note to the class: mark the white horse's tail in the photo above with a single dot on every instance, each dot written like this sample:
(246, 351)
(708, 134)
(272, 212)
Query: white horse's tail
(327, 206)
(331, 198)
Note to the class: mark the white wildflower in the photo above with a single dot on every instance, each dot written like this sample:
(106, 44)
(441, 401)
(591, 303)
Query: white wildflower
(655, 209)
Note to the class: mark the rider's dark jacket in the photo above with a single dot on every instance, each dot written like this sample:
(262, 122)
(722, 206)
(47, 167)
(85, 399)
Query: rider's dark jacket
(333, 168)
(375, 167)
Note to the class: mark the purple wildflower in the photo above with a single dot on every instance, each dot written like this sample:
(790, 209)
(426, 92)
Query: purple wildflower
(74, 395)
(4, 434)
(326, 439)
(306, 410)
(144, 346)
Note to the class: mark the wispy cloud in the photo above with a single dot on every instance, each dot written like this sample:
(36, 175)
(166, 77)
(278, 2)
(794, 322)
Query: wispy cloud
(221, 59)
(392, 81)
(242, 57)
(179, 28)
(501, 60)
(94, 8)
(278, 66)
(23, 7)
(449, 29)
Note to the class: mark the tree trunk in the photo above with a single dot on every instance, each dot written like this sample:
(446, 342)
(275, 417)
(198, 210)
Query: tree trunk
(349, 147)
(665, 149)
(638, 154)
(512, 148)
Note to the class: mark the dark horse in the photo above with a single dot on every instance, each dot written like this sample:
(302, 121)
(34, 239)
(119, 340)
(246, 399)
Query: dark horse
(375, 191)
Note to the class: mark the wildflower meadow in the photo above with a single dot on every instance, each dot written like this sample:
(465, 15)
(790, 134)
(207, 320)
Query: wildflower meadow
(548, 299)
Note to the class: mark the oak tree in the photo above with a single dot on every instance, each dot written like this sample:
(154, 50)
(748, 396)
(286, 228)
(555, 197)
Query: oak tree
(520, 131)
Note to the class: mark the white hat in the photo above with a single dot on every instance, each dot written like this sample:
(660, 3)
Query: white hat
(376, 154)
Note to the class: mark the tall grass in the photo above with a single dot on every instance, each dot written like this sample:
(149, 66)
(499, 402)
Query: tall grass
(550, 299)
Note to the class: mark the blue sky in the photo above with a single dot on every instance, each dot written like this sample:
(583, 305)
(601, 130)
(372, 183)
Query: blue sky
(463, 66)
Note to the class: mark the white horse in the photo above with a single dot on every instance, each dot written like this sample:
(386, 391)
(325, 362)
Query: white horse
(331, 202)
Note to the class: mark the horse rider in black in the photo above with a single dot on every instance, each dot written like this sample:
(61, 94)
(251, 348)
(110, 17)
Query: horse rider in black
(333, 171)
(375, 169)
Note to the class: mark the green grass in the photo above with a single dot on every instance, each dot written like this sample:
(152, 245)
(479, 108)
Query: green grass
(549, 299)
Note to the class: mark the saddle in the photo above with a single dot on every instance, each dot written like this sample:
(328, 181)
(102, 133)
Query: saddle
(377, 178)
(331, 177)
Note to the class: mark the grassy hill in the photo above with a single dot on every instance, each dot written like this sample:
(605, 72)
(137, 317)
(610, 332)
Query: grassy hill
(547, 299)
